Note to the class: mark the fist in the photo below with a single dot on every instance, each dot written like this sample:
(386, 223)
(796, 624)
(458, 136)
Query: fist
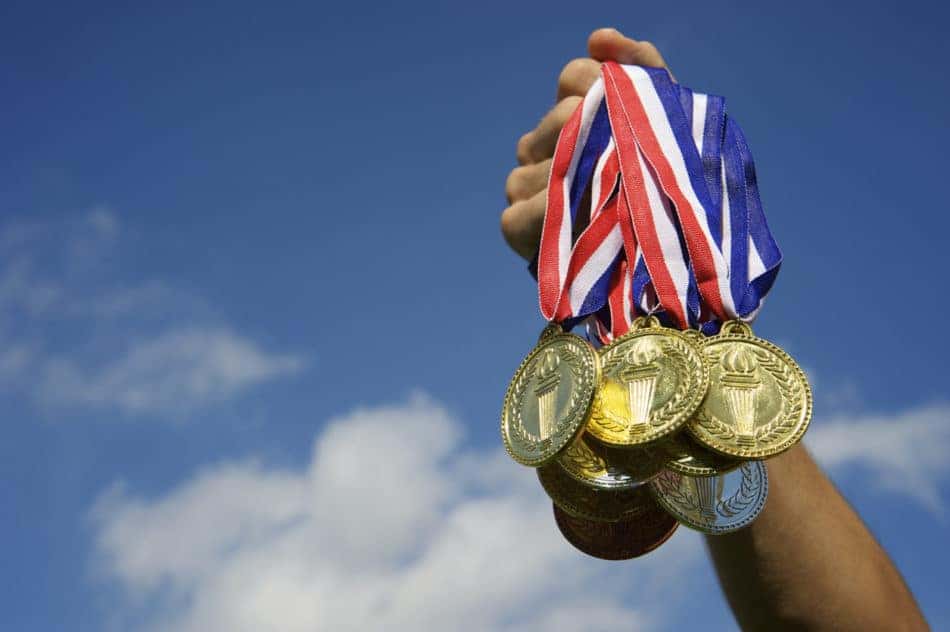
(526, 188)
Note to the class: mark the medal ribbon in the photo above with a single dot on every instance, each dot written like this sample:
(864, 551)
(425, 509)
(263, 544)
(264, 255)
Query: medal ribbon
(675, 220)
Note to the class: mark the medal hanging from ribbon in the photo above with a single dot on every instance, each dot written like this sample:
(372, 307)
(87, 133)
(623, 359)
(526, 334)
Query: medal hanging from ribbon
(675, 245)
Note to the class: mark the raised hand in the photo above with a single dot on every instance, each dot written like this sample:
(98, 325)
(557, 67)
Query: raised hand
(526, 187)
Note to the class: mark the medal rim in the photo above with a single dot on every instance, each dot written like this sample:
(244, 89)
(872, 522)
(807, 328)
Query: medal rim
(697, 396)
(558, 442)
(706, 439)
(609, 505)
(688, 470)
(594, 483)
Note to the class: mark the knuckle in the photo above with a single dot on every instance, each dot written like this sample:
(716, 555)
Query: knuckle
(514, 184)
(509, 223)
(572, 72)
(566, 106)
(523, 149)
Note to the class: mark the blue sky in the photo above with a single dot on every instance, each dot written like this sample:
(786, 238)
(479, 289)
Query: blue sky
(241, 246)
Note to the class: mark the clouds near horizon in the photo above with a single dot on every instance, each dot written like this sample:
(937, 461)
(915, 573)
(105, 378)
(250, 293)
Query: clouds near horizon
(392, 525)
(395, 524)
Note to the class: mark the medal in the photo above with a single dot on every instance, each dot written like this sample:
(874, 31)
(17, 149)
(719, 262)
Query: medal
(603, 467)
(714, 504)
(582, 501)
(685, 456)
(675, 244)
(548, 399)
(622, 540)
(759, 402)
(653, 380)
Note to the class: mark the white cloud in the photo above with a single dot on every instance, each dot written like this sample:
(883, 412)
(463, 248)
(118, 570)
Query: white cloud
(391, 526)
(73, 335)
(904, 453)
(172, 373)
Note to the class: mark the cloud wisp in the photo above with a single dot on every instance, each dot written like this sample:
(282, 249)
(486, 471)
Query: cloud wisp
(390, 526)
(73, 334)
(903, 453)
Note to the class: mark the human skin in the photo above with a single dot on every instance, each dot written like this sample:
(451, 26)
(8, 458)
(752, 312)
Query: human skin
(808, 562)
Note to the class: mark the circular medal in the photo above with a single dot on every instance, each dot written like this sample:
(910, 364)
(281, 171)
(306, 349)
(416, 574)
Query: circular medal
(604, 467)
(685, 456)
(653, 380)
(583, 501)
(548, 400)
(714, 504)
(617, 540)
(759, 401)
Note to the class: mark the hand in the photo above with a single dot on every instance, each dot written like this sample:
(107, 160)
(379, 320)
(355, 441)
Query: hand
(526, 187)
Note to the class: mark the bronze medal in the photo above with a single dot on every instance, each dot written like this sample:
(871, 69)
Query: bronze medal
(622, 540)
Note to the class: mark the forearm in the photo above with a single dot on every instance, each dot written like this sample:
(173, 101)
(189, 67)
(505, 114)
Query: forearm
(808, 562)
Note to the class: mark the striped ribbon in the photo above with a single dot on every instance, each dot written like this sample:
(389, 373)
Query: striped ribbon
(675, 224)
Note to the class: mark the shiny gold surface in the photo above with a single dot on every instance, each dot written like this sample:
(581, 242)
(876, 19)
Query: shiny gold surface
(758, 403)
(653, 380)
(548, 399)
(604, 467)
(583, 501)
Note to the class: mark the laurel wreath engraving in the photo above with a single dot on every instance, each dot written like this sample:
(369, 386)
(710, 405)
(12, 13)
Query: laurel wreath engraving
(792, 395)
(686, 362)
(747, 493)
(583, 458)
(674, 492)
(584, 370)
(668, 484)
(522, 384)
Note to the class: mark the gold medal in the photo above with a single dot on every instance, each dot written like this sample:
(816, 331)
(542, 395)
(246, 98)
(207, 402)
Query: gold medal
(603, 467)
(548, 400)
(759, 401)
(685, 456)
(653, 380)
(714, 504)
(577, 499)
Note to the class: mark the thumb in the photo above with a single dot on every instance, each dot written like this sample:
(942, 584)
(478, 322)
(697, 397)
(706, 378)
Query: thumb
(612, 45)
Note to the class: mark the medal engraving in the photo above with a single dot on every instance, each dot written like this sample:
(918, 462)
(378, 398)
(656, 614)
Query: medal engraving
(714, 504)
(640, 374)
(548, 399)
(547, 379)
(603, 467)
(759, 401)
(653, 380)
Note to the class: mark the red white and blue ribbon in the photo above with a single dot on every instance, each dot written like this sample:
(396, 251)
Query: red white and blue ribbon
(675, 223)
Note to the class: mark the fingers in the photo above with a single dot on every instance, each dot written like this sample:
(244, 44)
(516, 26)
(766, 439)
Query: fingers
(524, 182)
(522, 221)
(539, 143)
(521, 224)
(576, 77)
(605, 44)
